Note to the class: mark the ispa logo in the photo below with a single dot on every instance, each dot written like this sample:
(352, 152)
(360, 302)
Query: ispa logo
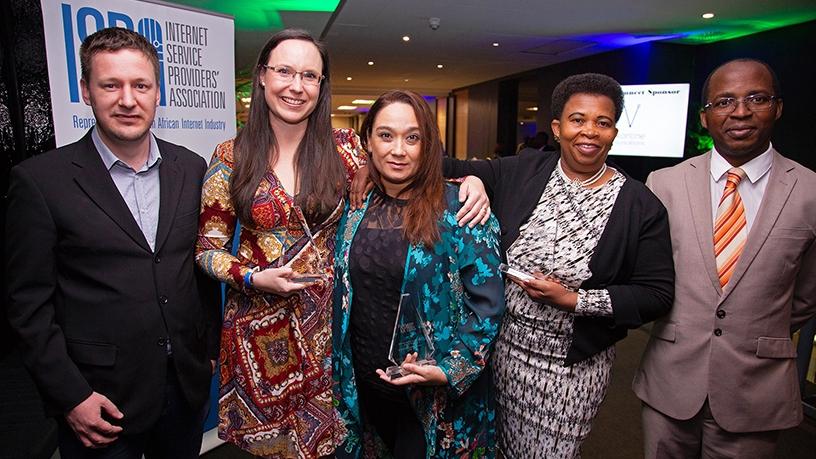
(88, 20)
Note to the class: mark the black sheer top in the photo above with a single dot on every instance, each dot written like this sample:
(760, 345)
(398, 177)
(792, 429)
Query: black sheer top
(376, 267)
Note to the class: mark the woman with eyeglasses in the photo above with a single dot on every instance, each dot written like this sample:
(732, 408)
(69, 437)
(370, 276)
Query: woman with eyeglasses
(592, 258)
(283, 178)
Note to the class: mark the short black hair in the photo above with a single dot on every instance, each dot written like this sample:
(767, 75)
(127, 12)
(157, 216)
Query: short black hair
(113, 39)
(587, 83)
(777, 88)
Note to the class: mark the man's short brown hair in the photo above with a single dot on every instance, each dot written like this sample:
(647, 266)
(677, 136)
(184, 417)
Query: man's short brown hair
(114, 39)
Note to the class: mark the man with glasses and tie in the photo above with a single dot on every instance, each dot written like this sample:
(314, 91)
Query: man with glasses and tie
(718, 377)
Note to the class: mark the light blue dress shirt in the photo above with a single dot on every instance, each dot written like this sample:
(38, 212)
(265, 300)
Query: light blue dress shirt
(139, 188)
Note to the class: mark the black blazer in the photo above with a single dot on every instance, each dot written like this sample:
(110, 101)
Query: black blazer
(92, 303)
(633, 259)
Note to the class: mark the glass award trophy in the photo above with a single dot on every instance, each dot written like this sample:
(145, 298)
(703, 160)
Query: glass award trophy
(411, 334)
(318, 273)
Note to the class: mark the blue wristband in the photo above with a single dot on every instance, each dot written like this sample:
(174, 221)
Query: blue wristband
(248, 278)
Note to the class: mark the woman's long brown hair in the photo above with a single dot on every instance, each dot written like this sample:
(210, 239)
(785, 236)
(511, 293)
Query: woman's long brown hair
(426, 202)
(319, 171)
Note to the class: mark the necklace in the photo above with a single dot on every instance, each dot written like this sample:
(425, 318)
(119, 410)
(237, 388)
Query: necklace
(584, 183)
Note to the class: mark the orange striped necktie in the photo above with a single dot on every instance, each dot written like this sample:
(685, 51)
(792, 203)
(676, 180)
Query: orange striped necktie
(730, 228)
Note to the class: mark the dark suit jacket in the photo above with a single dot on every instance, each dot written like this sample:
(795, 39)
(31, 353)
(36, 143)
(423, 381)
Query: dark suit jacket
(92, 303)
(633, 259)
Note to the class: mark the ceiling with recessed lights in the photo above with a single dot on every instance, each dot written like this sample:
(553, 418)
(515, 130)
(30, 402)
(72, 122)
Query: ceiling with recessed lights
(471, 41)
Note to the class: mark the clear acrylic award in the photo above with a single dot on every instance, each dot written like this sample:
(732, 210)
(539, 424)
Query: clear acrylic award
(411, 334)
(317, 272)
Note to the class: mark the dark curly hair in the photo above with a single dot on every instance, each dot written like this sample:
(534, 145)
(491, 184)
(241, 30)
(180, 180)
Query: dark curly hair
(586, 83)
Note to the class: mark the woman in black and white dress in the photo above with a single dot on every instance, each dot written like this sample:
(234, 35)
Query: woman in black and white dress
(597, 244)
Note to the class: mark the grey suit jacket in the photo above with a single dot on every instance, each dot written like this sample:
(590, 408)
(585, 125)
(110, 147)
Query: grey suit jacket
(734, 345)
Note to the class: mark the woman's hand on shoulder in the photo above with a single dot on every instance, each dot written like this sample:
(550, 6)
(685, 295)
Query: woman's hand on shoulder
(277, 281)
(361, 184)
(546, 289)
(476, 207)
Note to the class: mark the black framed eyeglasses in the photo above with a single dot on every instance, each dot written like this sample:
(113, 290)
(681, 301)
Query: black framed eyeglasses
(287, 74)
(754, 102)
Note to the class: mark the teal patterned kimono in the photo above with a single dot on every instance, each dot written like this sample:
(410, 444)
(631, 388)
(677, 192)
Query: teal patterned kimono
(461, 293)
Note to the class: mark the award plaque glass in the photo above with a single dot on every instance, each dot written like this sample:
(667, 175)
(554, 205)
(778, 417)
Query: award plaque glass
(411, 334)
(515, 273)
(307, 278)
(317, 272)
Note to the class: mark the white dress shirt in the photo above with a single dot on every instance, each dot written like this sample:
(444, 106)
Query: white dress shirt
(751, 188)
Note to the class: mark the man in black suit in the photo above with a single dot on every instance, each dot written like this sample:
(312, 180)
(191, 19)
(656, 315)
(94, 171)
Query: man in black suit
(116, 327)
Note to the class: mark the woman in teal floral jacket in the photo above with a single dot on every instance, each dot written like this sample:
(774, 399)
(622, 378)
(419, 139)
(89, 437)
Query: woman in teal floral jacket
(405, 239)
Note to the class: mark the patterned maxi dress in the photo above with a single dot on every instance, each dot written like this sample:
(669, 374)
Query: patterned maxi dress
(546, 408)
(275, 397)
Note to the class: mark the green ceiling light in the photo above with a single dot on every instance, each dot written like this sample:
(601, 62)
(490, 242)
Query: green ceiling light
(261, 14)
(726, 29)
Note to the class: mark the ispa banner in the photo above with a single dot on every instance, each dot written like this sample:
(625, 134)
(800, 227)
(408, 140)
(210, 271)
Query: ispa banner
(196, 59)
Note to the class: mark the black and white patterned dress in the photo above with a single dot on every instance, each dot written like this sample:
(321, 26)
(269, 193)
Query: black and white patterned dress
(546, 409)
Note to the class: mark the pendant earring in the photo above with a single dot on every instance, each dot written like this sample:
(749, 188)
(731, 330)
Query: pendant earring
(556, 138)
